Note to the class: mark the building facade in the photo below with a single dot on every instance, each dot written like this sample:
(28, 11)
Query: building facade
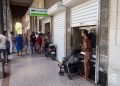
(35, 22)
(66, 19)
(78, 15)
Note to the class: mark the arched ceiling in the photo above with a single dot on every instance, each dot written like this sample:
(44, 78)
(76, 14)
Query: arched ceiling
(19, 7)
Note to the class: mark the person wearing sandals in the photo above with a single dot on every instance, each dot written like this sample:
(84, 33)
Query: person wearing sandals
(25, 43)
(19, 44)
(33, 42)
(38, 43)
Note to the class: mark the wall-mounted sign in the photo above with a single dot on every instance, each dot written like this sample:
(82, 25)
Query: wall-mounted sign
(38, 12)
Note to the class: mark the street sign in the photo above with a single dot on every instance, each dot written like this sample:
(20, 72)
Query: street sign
(38, 12)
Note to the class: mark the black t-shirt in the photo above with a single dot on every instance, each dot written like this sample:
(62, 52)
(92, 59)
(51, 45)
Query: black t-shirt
(33, 39)
(92, 37)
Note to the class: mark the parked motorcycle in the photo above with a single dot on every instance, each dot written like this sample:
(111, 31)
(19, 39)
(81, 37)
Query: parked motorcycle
(52, 51)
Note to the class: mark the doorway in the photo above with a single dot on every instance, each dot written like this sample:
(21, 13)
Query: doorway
(18, 28)
(47, 27)
(77, 40)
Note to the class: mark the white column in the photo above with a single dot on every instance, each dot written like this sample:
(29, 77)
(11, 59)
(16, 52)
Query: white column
(114, 47)
(37, 24)
(43, 27)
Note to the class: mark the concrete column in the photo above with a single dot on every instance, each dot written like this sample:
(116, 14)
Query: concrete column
(103, 29)
(5, 14)
(9, 17)
(1, 16)
(102, 38)
(33, 23)
(114, 44)
(38, 24)
(30, 24)
(68, 32)
(42, 25)
(51, 29)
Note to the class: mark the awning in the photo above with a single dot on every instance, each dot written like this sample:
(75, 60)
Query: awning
(57, 7)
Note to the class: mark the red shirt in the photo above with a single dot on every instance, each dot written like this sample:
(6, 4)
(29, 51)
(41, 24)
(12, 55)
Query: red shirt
(38, 40)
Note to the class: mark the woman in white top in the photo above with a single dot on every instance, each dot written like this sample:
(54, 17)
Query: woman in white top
(3, 40)
(12, 42)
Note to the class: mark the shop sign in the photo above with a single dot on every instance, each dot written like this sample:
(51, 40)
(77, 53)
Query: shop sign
(38, 12)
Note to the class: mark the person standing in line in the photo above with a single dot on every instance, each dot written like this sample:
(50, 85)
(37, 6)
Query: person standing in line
(19, 44)
(36, 34)
(33, 42)
(8, 46)
(12, 42)
(86, 47)
(38, 43)
(49, 37)
(25, 44)
(43, 43)
(3, 40)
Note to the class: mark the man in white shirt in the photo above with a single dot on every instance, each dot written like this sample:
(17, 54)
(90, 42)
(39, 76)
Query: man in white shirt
(12, 42)
(3, 40)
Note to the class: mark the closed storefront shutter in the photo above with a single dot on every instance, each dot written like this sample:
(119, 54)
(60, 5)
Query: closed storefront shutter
(85, 14)
(59, 34)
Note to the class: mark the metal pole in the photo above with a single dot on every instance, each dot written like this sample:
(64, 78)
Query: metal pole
(98, 44)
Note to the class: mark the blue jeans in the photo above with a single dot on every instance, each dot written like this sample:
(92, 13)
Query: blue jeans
(5, 54)
(33, 47)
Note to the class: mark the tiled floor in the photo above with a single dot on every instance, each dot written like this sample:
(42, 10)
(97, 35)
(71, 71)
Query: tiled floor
(1, 76)
(36, 70)
(0, 82)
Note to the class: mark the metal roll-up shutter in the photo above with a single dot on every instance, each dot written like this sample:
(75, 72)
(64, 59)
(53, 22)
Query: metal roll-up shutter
(85, 14)
(59, 34)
